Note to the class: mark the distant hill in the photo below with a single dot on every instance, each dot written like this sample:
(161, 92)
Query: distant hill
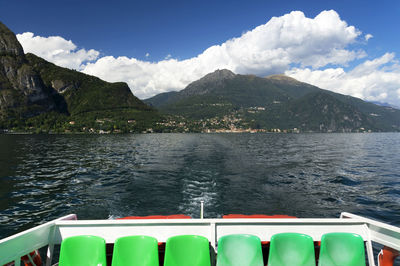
(385, 104)
(276, 101)
(35, 94)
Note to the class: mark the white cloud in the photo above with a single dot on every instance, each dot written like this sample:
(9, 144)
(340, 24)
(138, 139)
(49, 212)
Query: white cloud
(269, 48)
(372, 80)
(57, 50)
(291, 44)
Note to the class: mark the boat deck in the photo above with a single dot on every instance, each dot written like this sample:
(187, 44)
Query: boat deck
(52, 233)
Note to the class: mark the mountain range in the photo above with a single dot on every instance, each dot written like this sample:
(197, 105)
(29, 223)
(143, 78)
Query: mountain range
(275, 101)
(38, 96)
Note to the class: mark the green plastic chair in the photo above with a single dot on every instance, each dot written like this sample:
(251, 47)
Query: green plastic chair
(83, 251)
(187, 250)
(291, 249)
(344, 249)
(239, 250)
(135, 250)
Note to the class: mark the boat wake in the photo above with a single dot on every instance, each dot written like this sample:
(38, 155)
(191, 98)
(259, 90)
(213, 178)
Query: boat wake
(197, 187)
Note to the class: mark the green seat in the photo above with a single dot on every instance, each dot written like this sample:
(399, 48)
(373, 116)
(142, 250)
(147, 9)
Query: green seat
(83, 251)
(135, 250)
(187, 250)
(291, 249)
(240, 250)
(344, 249)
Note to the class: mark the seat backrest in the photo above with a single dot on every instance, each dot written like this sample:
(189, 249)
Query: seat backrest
(135, 250)
(187, 250)
(289, 249)
(83, 251)
(344, 249)
(240, 250)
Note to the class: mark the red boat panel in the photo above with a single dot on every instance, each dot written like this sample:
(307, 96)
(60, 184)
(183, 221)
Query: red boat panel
(232, 216)
(173, 216)
(387, 256)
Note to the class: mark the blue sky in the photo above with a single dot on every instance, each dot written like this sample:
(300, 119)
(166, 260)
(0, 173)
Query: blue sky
(184, 28)
(179, 30)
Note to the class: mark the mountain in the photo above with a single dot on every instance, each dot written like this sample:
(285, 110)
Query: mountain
(35, 94)
(22, 91)
(385, 104)
(83, 93)
(273, 102)
(217, 93)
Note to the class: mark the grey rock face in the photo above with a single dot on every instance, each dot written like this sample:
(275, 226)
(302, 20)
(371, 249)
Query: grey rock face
(62, 86)
(9, 43)
(217, 75)
(20, 84)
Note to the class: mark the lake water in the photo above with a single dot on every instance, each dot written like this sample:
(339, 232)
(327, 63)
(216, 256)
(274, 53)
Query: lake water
(43, 177)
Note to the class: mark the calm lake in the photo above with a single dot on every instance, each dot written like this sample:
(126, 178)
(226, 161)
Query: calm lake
(43, 177)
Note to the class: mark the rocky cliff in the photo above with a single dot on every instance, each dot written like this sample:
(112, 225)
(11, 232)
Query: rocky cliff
(38, 96)
(22, 91)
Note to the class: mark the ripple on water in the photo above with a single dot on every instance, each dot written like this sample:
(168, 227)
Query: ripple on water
(306, 175)
(347, 181)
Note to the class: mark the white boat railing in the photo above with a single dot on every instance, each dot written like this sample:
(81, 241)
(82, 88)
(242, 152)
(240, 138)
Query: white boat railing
(14, 247)
(52, 233)
(385, 234)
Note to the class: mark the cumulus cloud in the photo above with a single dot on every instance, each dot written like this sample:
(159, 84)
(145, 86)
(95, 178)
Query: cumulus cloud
(57, 50)
(368, 36)
(268, 48)
(372, 80)
(313, 50)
